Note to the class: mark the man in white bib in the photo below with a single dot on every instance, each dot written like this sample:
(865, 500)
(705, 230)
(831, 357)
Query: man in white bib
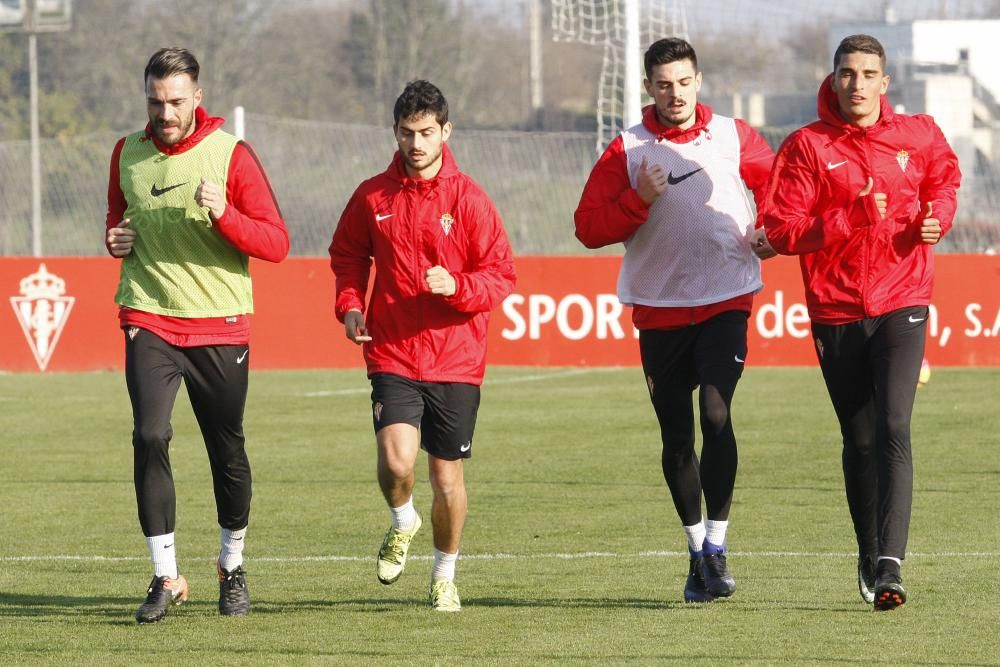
(672, 190)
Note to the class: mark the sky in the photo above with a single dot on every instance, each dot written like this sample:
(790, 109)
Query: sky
(778, 15)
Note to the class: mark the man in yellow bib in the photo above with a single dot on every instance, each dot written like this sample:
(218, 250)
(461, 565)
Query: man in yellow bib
(188, 205)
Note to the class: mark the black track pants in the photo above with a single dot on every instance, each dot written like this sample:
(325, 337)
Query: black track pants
(216, 381)
(710, 354)
(871, 369)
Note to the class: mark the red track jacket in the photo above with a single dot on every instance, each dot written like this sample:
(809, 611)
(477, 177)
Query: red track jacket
(856, 264)
(409, 225)
(252, 224)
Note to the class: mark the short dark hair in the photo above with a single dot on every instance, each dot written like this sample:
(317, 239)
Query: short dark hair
(420, 98)
(171, 62)
(859, 44)
(668, 50)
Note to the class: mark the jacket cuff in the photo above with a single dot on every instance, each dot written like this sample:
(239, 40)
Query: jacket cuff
(863, 213)
(634, 203)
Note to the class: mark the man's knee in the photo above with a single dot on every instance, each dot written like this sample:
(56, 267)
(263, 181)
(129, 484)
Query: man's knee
(398, 445)
(714, 418)
(447, 477)
(151, 438)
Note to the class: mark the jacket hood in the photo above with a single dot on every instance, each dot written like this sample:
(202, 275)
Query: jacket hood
(204, 125)
(828, 108)
(397, 169)
(702, 116)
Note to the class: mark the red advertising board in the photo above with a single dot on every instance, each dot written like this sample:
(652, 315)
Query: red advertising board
(563, 312)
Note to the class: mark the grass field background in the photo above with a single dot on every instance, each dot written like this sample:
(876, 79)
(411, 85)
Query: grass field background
(572, 551)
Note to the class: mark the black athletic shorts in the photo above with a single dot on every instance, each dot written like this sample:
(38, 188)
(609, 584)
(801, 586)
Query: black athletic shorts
(445, 412)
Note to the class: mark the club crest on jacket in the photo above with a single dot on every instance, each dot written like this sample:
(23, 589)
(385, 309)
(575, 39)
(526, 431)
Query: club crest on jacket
(446, 222)
(903, 158)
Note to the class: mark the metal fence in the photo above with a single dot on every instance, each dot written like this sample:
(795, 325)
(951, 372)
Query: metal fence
(535, 179)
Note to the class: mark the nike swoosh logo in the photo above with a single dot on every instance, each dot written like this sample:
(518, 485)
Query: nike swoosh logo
(156, 192)
(167, 546)
(380, 218)
(672, 180)
(243, 356)
(737, 358)
(466, 447)
(915, 320)
(831, 166)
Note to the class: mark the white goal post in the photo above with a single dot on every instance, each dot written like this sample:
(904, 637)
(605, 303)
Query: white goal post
(622, 28)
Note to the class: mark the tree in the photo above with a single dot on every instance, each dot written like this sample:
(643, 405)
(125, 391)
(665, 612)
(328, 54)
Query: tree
(59, 113)
(397, 41)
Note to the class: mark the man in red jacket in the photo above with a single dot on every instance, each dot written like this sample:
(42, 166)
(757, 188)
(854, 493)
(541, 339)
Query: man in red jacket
(861, 195)
(672, 189)
(442, 263)
(188, 205)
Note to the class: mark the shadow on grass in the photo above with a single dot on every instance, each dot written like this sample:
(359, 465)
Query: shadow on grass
(120, 609)
(12, 604)
(115, 609)
(420, 603)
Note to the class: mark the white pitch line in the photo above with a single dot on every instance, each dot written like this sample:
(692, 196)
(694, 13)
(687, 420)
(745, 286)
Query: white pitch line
(506, 556)
(512, 380)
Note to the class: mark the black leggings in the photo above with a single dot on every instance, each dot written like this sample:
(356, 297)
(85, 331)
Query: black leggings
(216, 381)
(871, 368)
(710, 354)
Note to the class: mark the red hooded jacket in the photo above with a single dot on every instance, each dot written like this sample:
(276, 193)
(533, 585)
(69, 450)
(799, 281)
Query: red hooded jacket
(407, 226)
(855, 263)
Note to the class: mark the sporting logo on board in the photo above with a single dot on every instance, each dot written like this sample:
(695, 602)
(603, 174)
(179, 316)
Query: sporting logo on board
(42, 310)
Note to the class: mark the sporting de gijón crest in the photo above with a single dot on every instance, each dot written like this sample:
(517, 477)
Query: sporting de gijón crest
(42, 311)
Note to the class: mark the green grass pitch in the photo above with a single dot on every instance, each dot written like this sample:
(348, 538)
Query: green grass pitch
(572, 551)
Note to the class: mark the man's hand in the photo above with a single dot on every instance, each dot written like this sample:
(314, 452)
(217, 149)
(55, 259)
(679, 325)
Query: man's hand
(120, 239)
(439, 281)
(880, 198)
(354, 327)
(650, 183)
(760, 245)
(211, 197)
(930, 228)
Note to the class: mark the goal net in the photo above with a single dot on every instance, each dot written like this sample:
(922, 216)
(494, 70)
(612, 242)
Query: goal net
(622, 28)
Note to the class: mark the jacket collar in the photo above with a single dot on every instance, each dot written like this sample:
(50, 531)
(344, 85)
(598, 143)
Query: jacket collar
(702, 116)
(828, 108)
(204, 125)
(397, 169)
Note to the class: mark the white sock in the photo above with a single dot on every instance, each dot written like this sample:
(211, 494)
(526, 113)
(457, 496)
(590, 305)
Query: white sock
(715, 532)
(895, 560)
(405, 516)
(696, 536)
(163, 555)
(231, 553)
(444, 565)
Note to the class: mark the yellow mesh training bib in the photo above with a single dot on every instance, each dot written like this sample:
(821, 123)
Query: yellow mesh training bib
(179, 265)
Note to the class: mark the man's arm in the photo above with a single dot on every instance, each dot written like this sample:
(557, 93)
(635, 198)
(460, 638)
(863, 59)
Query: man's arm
(252, 221)
(351, 257)
(492, 278)
(610, 209)
(756, 160)
(939, 188)
(791, 225)
(118, 236)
